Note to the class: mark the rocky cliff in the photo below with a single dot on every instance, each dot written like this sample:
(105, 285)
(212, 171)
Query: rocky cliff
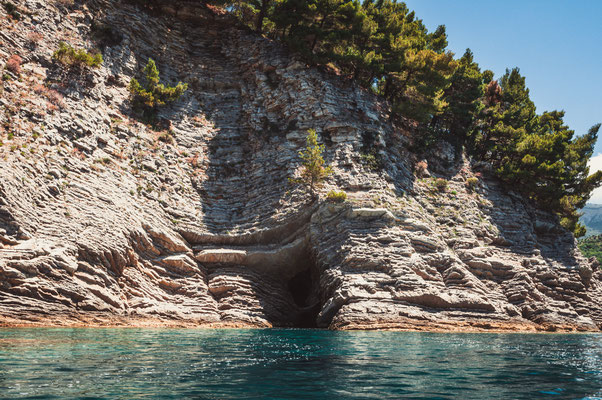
(105, 221)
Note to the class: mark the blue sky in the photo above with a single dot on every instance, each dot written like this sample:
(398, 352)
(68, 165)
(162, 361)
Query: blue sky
(557, 44)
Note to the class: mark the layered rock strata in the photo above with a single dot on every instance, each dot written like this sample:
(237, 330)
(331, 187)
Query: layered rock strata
(104, 221)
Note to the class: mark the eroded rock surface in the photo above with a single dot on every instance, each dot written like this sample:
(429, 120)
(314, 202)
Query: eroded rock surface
(105, 221)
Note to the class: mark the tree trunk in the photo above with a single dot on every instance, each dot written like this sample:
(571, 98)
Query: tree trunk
(313, 45)
(262, 14)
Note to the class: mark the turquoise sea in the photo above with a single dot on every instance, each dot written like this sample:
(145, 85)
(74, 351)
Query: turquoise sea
(295, 364)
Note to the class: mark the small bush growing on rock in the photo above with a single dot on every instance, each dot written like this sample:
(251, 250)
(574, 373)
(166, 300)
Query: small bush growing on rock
(336, 197)
(166, 137)
(372, 161)
(39, 89)
(76, 58)
(471, 183)
(421, 169)
(441, 184)
(313, 171)
(14, 64)
(151, 93)
(55, 99)
(34, 38)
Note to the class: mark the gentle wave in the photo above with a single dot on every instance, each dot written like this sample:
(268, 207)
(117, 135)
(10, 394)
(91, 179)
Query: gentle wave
(295, 364)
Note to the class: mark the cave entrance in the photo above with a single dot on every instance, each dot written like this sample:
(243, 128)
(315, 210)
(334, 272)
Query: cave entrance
(303, 288)
(300, 287)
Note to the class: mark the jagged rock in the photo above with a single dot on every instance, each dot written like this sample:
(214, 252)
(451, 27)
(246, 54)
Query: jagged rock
(102, 223)
(594, 263)
(585, 272)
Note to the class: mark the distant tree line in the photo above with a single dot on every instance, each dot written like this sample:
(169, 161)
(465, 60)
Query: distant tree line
(591, 246)
(386, 48)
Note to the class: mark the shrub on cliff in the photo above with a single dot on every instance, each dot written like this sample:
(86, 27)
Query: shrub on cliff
(313, 170)
(471, 183)
(421, 169)
(441, 184)
(336, 197)
(151, 94)
(76, 58)
(14, 64)
(372, 161)
(34, 38)
(166, 137)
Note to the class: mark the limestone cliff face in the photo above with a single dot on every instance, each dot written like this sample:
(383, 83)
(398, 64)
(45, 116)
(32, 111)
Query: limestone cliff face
(103, 221)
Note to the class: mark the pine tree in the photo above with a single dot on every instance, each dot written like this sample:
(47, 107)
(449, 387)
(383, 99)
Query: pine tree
(313, 169)
(507, 116)
(151, 93)
(463, 100)
(536, 155)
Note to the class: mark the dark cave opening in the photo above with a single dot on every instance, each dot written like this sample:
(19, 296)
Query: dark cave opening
(303, 289)
(300, 287)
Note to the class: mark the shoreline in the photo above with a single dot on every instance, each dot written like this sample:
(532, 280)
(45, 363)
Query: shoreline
(389, 326)
(126, 323)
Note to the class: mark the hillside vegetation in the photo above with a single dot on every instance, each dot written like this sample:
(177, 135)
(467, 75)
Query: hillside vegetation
(591, 246)
(385, 47)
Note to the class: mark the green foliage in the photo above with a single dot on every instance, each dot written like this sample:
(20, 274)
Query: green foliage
(151, 93)
(441, 184)
(536, 155)
(369, 151)
(462, 98)
(591, 246)
(417, 90)
(372, 161)
(471, 183)
(378, 42)
(336, 197)
(313, 169)
(76, 58)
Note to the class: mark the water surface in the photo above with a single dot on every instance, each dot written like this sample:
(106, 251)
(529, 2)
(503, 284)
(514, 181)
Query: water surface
(295, 364)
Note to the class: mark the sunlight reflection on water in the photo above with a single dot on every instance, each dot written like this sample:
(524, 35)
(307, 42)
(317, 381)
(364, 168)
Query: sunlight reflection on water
(289, 364)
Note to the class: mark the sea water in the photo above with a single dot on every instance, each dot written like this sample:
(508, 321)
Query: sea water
(295, 364)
